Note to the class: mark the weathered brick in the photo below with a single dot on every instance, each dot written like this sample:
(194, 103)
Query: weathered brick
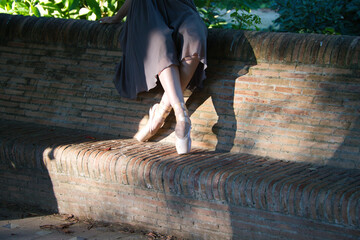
(19, 99)
(261, 87)
(284, 107)
(295, 112)
(288, 90)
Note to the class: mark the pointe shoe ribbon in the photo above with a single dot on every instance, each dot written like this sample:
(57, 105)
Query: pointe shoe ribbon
(183, 144)
(157, 115)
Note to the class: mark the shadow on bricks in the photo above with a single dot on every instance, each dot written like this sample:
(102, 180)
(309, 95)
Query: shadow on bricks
(219, 87)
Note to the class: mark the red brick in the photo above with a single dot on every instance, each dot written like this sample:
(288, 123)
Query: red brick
(304, 84)
(294, 149)
(96, 102)
(288, 90)
(292, 75)
(247, 93)
(255, 100)
(275, 81)
(282, 67)
(295, 112)
(263, 122)
(40, 101)
(19, 99)
(297, 127)
(341, 71)
(337, 124)
(261, 87)
(247, 78)
(208, 116)
(240, 85)
(270, 95)
(328, 101)
(309, 69)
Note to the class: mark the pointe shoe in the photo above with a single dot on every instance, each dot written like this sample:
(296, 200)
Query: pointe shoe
(183, 128)
(157, 115)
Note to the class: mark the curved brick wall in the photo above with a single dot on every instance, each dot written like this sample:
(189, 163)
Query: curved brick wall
(341, 51)
(287, 96)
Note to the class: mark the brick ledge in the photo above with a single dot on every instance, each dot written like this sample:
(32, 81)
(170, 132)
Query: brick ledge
(249, 46)
(325, 194)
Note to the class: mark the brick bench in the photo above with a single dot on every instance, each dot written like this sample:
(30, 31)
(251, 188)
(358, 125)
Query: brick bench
(202, 195)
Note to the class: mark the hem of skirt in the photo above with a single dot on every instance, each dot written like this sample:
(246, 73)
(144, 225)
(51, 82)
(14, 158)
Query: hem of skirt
(203, 77)
(201, 59)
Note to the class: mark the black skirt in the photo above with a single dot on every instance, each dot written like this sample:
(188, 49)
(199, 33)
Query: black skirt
(156, 35)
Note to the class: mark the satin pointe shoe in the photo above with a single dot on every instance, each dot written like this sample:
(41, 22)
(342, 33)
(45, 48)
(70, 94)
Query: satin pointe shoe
(157, 115)
(182, 129)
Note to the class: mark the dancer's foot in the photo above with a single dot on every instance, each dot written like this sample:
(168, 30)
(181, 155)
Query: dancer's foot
(182, 129)
(157, 116)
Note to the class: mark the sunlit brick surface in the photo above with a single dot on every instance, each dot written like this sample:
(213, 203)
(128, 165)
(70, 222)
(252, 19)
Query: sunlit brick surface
(204, 194)
(288, 96)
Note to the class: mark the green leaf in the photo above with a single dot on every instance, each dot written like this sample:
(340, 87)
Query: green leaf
(3, 10)
(20, 8)
(92, 17)
(74, 4)
(95, 8)
(35, 11)
(42, 11)
(83, 11)
(3, 3)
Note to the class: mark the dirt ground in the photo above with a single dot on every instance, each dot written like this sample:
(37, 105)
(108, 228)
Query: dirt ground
(26, 223)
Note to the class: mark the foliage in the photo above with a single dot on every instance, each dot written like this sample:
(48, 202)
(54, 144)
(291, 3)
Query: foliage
(262, 3)
(77, 9)
(319, 16)
(214, 14)
(212, 11)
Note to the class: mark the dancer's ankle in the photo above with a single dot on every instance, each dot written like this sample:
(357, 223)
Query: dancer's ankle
(182, 129)
(180, 111)
(183, 123)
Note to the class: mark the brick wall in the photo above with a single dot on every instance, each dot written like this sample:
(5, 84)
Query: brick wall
(204, 195)
(280, 95)
(185, 218)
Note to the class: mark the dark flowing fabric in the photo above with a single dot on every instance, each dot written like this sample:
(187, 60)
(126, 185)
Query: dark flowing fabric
(156, 35)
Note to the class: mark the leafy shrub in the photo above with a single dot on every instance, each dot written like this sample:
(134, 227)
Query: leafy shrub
(319, 16)
(77, 9)
(351, 13)
(212, 11)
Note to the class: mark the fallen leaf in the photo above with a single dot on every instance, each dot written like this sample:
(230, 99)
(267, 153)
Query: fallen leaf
(67, 216)
(151, 234)
(61, 227)
(90, 137)
(67, 231)
(70, 218)
(90, 226)
(65, 225)
(48, 226)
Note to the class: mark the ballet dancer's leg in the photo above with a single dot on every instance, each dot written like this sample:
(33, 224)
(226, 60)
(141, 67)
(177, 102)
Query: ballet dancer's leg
(170, 80)
(159, 112)
(187, 69)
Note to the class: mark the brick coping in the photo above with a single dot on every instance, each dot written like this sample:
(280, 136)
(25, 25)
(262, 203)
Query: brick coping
(320, 193)
(248, 46)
